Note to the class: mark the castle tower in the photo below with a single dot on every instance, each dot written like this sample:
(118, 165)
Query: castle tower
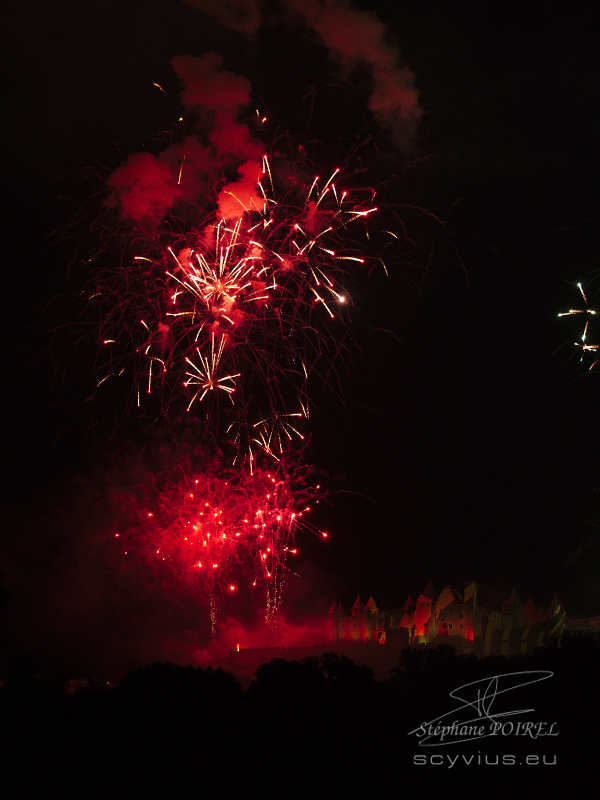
(358, 607)
(372, 620)
(514, 606)
(425, 609)
(470, 611)
(529, 613)
(556, 617)
(333, 622)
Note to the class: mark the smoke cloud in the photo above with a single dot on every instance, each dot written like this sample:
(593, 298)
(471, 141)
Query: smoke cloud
(207, 85)
(145, 188)
(241, 196)
(354, 37)
(148, 187)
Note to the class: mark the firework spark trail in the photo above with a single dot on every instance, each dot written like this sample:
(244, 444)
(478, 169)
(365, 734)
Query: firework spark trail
(205, 376)
(588, 312)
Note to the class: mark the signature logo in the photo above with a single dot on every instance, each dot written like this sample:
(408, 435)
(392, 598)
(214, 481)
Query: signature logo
(475, 718)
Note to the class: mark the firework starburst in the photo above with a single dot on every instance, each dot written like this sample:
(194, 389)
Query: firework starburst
(587, 313)
(248, 312)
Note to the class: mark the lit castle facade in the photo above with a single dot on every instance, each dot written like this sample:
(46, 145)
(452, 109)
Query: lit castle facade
(451, 617)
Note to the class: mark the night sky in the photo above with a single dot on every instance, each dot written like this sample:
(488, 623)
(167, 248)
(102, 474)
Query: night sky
(467, 443)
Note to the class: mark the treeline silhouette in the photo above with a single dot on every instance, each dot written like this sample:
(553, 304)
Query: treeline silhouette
(322, 724)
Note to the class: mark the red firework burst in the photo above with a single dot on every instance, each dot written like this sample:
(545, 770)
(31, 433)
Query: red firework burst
(213, 529)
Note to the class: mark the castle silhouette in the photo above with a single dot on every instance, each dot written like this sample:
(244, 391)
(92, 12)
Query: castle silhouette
(451, 617)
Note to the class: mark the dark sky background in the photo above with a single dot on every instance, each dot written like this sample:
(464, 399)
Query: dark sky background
(470, 431)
